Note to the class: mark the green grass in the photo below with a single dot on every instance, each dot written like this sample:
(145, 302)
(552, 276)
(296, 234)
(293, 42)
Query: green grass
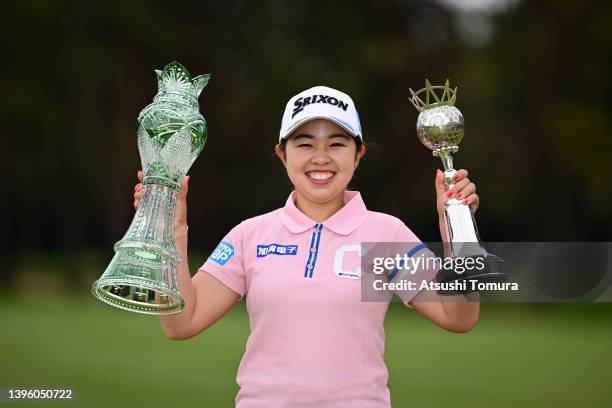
(544, 355)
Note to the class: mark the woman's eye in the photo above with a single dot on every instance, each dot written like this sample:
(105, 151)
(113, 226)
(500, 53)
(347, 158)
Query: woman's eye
(304, 145)
(337, 144)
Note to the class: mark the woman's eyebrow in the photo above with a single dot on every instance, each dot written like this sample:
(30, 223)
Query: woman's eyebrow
(303, 136)
(310, 137)
(341, 135)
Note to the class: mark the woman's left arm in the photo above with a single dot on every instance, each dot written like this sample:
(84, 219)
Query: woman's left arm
(457, 313)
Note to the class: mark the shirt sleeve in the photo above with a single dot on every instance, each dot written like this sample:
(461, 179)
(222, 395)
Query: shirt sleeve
(420, 266)
(226, 264)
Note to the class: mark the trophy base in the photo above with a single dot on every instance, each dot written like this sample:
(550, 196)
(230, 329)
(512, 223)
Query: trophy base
(141, 297)
(493, 271)
(142, 280)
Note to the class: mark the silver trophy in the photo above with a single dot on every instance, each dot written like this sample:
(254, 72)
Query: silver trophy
(440, 127)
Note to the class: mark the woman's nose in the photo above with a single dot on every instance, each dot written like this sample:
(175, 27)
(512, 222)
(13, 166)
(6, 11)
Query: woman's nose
(320, 157)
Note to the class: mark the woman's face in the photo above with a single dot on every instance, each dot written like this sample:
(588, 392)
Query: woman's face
(320, 158)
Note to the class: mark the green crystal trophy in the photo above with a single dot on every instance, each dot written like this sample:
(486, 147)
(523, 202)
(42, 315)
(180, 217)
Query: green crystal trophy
(440, 127)
(171, 134)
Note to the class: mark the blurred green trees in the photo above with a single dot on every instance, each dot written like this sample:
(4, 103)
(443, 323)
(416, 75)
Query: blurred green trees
(533, 87)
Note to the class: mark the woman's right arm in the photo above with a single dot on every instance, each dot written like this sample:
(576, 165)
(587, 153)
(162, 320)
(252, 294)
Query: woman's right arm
(206, 299)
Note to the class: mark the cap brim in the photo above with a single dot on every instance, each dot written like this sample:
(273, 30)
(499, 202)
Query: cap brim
(307, 119)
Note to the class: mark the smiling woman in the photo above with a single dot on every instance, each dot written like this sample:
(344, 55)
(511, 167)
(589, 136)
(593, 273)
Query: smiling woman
(320, 158)
(313, 341)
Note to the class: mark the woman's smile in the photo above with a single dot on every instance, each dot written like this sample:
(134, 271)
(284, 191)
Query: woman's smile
(320, 176)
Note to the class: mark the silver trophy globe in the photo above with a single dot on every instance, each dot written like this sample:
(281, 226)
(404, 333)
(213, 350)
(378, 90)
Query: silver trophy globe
(440, 127)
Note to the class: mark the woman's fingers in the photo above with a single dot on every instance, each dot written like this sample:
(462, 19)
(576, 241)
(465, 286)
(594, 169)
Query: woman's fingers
(461, 174)
(464, 192)
(184, 187)
(473, 201)
(138, 189)
(137, 194)
(439, 182)
(457, 187)
(462, 189)
(137, 197)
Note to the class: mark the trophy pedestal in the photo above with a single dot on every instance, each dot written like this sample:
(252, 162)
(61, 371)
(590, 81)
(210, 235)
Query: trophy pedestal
(493, 271)
(465, 243)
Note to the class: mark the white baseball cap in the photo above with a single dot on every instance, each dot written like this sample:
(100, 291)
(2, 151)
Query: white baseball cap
(321, 102)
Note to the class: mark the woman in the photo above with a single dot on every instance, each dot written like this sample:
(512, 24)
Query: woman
(313, 342)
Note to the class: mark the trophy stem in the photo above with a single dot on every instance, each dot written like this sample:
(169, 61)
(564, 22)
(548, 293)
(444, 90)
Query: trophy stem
(152, 227)
(447, 161)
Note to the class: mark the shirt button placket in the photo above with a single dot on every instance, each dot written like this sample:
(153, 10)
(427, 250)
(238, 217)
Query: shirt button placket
(315, 238)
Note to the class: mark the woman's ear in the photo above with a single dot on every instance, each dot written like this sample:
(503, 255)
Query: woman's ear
(359, 155)
(280, 153)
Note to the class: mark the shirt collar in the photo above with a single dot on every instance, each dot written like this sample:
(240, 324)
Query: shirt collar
(343, 222)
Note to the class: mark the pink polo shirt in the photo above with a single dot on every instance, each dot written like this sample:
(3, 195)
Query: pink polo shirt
(313, 342)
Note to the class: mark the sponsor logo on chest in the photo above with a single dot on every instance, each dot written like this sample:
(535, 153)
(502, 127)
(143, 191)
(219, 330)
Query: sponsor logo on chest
(339, 261)
(276, 249)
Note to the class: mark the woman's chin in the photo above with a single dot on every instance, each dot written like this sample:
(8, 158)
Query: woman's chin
(322, 193)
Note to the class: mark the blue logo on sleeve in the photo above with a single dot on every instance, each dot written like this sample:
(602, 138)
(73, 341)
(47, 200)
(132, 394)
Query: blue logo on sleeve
(276, 249)
(223, 253)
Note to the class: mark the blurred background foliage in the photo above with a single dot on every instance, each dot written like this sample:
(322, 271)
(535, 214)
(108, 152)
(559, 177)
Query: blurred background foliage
(533, 80)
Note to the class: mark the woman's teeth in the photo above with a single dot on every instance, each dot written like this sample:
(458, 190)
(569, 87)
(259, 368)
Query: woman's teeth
(320, 175)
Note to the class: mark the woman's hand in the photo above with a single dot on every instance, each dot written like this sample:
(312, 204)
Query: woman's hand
(463, 190)
(180, 218)
(138, 190)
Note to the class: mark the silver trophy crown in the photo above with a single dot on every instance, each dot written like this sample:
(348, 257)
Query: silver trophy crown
(440, 124)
